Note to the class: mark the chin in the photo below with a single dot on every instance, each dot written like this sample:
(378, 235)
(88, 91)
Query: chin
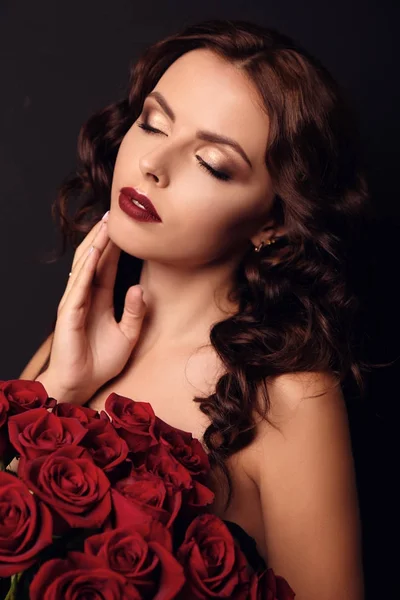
(123, 236)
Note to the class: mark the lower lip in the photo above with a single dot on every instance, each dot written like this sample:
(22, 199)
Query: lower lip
(134, 211)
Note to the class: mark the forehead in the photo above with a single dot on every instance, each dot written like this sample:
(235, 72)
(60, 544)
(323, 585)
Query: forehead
(207, 92)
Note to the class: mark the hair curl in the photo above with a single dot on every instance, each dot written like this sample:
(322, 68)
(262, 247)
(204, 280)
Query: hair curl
(299, 299)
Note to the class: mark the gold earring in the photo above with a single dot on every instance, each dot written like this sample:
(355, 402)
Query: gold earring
(267, 243)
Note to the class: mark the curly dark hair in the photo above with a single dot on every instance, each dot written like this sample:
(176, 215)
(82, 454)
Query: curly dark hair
(299, 299)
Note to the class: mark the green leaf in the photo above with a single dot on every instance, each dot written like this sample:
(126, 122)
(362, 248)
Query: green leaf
(12, 592)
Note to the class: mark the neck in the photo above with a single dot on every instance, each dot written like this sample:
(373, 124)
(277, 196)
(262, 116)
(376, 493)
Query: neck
(182, 305)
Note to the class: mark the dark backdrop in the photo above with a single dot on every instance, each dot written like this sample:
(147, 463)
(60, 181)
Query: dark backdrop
(61, 61)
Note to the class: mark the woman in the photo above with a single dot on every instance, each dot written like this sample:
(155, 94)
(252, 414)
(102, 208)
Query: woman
(250, 157)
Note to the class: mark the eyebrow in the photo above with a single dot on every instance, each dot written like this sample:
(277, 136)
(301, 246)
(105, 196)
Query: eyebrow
(207, 136)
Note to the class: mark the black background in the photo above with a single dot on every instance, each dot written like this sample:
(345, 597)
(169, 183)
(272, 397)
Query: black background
(61, 61)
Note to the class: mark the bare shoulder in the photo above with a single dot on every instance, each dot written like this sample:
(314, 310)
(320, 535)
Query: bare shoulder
(299, 405)
(302, 464)
(305, 409)
(292, 391)
(295, 394)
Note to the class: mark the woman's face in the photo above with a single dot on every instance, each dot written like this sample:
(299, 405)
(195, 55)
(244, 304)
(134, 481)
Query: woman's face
(204, 219)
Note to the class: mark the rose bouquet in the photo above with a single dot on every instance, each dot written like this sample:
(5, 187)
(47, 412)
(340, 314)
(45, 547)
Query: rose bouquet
(111, 505)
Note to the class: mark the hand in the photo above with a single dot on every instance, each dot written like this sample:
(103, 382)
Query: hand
(89, 347)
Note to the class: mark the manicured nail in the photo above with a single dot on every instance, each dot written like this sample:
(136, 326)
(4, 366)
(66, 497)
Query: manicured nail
(105, 216)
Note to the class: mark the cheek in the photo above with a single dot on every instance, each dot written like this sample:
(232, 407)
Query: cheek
(209, 226)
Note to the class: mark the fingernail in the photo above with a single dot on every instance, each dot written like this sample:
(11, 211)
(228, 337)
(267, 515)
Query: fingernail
(105, 216)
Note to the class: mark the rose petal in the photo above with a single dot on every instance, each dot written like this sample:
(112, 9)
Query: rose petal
(26, 526)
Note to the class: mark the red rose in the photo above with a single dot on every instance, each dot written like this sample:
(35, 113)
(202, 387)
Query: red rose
(80, 576)
(133, 420)
(75, 489)
(24, 394)
(141, 552)
(185, 448)
(104, 444)
(84, 414)
(149, 493)
(4, 407)
(38, 432)
(214, 565)
(25, 526)
(125, 511)
(197, 497)
(268, 586)
(160, 461)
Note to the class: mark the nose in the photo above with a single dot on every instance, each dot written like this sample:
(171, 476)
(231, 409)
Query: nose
(149, 168)
(164, 157)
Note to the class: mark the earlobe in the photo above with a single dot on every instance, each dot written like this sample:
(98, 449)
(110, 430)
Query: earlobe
(268, 235)
(272, 228)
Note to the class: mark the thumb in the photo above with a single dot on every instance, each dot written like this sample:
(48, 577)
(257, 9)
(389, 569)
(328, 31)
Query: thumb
(134, 311)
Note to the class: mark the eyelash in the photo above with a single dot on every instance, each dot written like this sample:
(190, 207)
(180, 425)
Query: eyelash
(217, 174)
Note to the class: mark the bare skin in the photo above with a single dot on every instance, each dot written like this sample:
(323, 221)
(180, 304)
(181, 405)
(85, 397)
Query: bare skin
(294, 489)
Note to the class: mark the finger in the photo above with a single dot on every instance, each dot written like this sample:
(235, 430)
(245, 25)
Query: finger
(133, 315)
(80, 290)
(105, 274)
(106, 271)
(84, 246)
(104, 278)
(100, 242)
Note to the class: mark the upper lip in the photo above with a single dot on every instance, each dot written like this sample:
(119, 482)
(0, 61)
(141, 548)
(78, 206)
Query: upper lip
(147, 203)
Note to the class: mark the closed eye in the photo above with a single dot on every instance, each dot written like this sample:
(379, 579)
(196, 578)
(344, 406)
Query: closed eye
(217, 174)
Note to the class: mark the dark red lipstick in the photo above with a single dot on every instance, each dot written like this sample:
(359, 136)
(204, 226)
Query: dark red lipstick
(147, 213)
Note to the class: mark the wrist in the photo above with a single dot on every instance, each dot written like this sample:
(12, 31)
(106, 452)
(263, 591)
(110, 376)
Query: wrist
(58, 392)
